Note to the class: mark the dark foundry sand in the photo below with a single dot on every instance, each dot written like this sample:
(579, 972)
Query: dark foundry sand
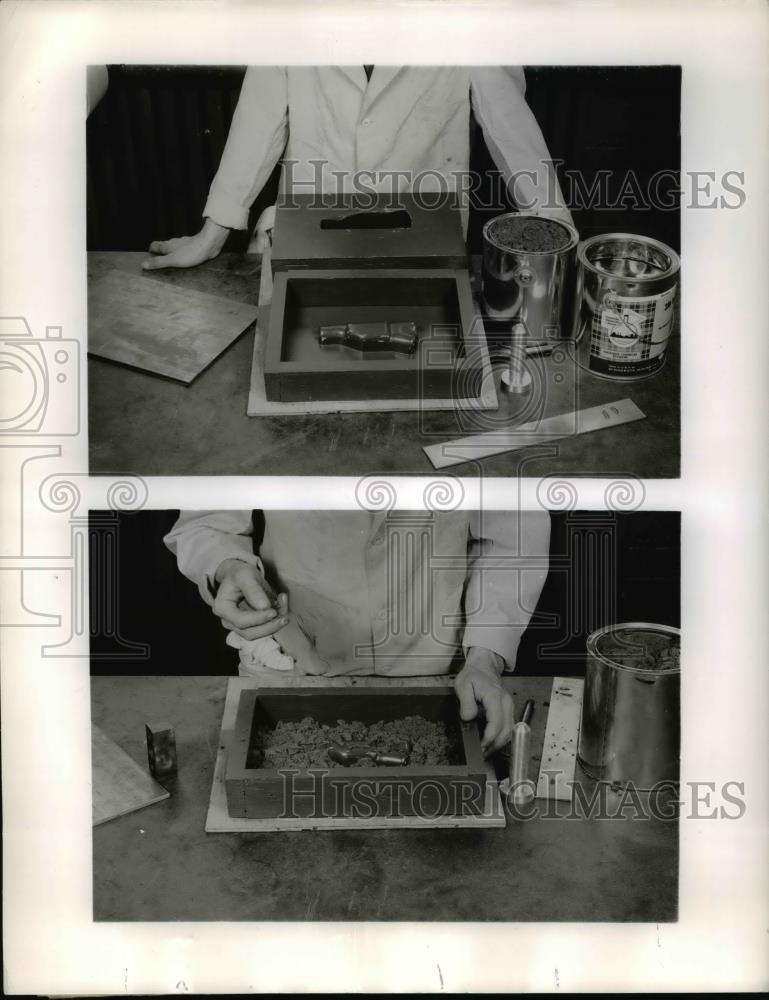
(533, 235)
(305, 744)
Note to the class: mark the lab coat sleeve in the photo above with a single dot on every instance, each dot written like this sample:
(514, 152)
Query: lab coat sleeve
(202, 539)
(255, 143)
(515, 140)
(508, 562)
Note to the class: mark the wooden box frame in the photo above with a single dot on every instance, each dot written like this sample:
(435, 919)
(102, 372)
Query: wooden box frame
(448, 363)
(434, 237)
(362, 792)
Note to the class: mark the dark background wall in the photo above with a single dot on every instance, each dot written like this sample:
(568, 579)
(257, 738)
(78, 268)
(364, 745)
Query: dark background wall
(154, 143)
(605, 567)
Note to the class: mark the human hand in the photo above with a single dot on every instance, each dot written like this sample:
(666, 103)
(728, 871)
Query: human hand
(478, 683)
(246, 603)
(187, 251)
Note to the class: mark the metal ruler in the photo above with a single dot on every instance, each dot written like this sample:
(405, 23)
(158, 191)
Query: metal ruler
(478, 446)
(559, 751)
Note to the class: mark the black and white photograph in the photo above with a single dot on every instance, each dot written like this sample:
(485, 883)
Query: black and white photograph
(382, 716)
(357, 269)
(383, 503)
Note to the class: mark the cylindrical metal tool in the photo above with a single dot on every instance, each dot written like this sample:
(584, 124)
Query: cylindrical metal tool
(517, 785)
(529, 274)
(630, 713)
(627, 288)
(515, 377)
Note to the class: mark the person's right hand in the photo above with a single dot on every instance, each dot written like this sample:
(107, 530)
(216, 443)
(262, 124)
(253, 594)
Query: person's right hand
(187, 251)
(246, 603)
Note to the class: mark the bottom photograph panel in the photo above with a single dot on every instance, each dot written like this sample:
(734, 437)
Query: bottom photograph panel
(395, 715)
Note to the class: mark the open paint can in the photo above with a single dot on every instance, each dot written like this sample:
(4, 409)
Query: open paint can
(630, 732)
(529, 275)
(627, 286)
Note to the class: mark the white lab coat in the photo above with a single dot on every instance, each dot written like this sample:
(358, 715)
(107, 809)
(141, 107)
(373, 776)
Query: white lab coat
(394, 593)
(407, 128)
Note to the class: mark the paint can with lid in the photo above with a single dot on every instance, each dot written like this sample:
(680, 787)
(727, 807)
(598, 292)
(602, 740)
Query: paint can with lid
(630, 731)
(627, 286)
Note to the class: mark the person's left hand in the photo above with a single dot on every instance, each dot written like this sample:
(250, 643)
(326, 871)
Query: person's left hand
(478, 683)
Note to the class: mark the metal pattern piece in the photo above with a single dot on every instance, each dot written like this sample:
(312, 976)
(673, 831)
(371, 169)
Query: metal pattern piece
(395, 338)
(161, 749)
(354, 752)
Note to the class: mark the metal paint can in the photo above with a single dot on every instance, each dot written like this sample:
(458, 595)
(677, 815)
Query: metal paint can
(529, 275)
(630, 730)
(627, 286)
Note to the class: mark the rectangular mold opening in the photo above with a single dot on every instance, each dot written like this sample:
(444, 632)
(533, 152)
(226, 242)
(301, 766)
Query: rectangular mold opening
(330, 709)
(357, 220)
(315, 302)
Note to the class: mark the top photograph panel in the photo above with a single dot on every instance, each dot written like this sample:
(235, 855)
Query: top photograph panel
(381, 269)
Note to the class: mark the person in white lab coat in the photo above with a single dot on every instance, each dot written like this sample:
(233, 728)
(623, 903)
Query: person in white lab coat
(400, 593)
(382, 128)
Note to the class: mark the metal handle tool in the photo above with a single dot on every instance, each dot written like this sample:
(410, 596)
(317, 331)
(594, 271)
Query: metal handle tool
(399, 338)
(351, 753)
(516, 378)
(519, 757)
(517, 784)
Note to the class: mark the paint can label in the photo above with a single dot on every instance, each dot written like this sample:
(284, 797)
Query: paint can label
(629, 334)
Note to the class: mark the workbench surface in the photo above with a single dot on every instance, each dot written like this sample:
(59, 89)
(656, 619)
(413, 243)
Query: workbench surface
(152, 426)
(159, 864)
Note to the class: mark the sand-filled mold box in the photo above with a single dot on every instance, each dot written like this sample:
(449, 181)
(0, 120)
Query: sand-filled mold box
(278, 765)
(306, 743)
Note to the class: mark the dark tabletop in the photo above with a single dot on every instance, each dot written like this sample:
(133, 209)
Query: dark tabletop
(147, 425)
(159, 864)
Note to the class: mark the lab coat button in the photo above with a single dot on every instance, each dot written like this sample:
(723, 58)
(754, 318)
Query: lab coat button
(382, 616)
(366, 122)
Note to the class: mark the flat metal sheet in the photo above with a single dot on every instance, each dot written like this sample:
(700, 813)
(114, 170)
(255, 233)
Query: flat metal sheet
(148, 324)
(559, 750)
(120, 785)
(479, 446)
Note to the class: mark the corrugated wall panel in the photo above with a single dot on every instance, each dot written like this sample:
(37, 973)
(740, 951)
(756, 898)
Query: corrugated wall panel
(153, 146)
